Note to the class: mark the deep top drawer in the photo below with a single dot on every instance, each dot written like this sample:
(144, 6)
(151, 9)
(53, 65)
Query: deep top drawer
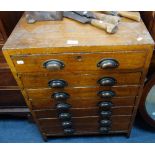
(79, 61)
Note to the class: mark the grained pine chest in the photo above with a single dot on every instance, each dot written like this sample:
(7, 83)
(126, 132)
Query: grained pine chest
(78, 80)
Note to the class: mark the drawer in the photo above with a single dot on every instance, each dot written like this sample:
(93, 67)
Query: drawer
(77, 79)
(38, 104)
(6, 78)
(80, 112)
(82, 92)
(11, 98)
(83, 124)
(79, 61)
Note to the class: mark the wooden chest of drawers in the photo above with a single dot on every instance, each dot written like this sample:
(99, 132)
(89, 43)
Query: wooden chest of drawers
(77, 79)
(11, 99)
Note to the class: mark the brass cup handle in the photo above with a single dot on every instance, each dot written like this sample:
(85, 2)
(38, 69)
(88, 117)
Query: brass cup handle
(60, 96)
(107, 81)
(63, 106)
(105, 123)
(64, 116)
(106, 94)
(53, 65)
(106, 105)
(108, 64)
(69, 131)
(105, 113)
(57, 83)
(104, 130)
(66, 124)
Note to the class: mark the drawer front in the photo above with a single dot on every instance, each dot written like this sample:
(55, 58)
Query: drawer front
(84, 125)
(11, 98)
(6, 78)
(80, 112)
(79, 62)
(84, 103)
(82, 92)
(78, 79)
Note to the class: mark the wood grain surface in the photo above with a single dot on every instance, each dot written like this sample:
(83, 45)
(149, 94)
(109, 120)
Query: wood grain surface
(82, 92)
(80, 112)
(39, 104)
(87, 62)
(40, 80)
(83, 124)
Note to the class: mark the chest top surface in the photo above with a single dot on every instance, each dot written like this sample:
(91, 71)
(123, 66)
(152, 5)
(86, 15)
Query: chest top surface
(67, 33)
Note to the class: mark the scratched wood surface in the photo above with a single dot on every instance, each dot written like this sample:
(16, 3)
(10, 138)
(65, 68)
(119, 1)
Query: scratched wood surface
(57, 33)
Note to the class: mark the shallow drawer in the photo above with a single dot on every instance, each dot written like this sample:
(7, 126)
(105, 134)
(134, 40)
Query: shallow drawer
(41, 80)
(6, 78)
(84, 124)
(80, 112)
(79, 61)
(11, 98)
(84, 103)
(82, 92)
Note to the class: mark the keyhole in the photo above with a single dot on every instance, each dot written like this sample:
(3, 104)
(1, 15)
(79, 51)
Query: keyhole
(78, 58)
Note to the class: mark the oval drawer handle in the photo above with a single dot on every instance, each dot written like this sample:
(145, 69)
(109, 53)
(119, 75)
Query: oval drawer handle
(105, 123)
(66, 124)
(106, 94)
(63, 106)
(104, 130)
(53, 65)
(105, 113)
(57, 83)
(60, 96)
(105, 105)
(65, 116)
(69, 131)
(108, 64)
(107, 81)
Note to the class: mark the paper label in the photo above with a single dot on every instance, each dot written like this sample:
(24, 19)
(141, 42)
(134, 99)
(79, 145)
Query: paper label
(20, 62)
(72, 42)
(139, 38)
